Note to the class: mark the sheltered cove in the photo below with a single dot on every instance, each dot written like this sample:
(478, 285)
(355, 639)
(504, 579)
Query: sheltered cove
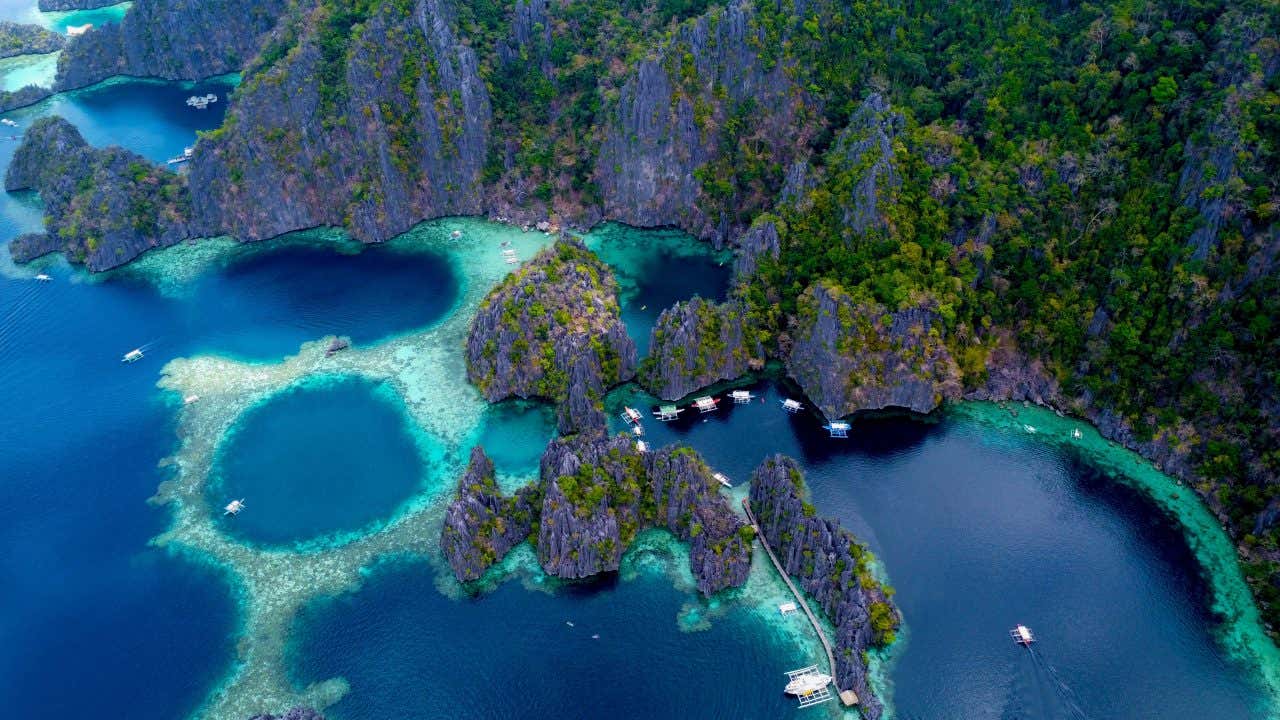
(424, 368)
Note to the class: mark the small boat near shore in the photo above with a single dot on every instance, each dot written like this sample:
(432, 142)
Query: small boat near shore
(43, 278)
(185, 156)
(808, 683)
(720, 478)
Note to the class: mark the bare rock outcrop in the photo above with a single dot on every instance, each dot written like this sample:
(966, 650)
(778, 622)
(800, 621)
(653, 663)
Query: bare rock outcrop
(853, 354)
(697, 343)
(552, 330)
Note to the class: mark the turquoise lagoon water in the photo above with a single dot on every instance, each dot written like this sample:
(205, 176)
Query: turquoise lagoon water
(656, 268)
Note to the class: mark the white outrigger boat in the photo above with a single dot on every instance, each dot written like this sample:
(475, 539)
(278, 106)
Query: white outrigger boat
(185, 156)
(234, 507)
(8, 123)
(667, 413)
(43, 278)
(631, 415)
(808, 683)
(741, 397)
(792, 406)
(720, 478)
(1022, 635)
(132, 356)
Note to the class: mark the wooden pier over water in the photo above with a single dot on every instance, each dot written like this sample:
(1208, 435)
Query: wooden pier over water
(848, 697)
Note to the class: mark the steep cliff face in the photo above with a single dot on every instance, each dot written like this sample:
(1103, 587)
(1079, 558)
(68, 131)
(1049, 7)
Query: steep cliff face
(697, 343)
(831, 566)
(481, 525)
(371, 122)
(704, 94)
(20, 39)
(600, 492)
(553, 331)
(864, 151)
(103, 207)
(852, 355)
(1245, 60)
(171, 39)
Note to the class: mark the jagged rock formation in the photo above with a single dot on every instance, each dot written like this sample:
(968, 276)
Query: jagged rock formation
(553, 331)
(596, 494)
(103, 207)
(657, 162)
(850, 355)
(832, 567)
(865, 149)
(63, 5)
(371, 122)
(22, 39)
(298, 713)
(481, 525)
(600, 492)
(697, 343)
(171, 39)
(22, 97)
(759, 241)
(29, 246)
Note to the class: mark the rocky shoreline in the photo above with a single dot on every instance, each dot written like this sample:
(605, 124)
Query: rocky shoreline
(832, 567)
(24, 39)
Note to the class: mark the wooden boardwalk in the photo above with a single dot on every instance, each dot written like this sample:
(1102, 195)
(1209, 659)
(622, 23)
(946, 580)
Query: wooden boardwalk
(848, 696)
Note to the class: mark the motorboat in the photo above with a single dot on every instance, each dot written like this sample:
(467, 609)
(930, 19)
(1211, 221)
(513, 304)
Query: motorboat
(234, 507)
(720, 478)
(132, 356)
(185, 156)
(1022, 635)
(43, 278)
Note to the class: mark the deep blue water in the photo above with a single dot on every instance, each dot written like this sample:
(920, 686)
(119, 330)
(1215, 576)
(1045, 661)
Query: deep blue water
(323, 457)
(981, 530)
(409, 652)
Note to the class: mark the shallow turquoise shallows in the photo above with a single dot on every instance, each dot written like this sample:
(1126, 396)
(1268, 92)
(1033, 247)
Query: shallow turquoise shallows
(332, 455)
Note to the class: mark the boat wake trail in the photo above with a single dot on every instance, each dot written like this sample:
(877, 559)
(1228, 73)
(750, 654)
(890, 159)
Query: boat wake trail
(1038, 692)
